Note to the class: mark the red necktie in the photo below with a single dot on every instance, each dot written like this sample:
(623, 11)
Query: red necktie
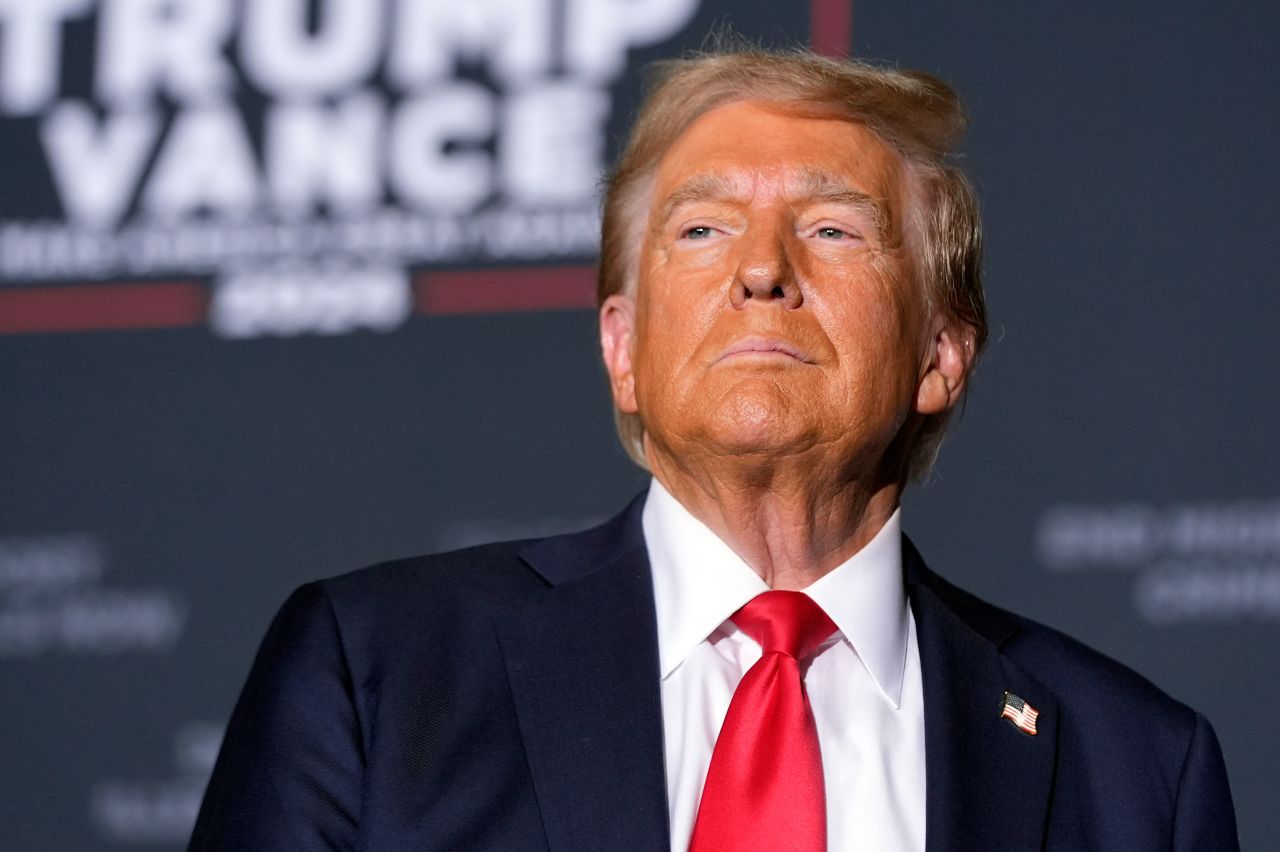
(764, 787)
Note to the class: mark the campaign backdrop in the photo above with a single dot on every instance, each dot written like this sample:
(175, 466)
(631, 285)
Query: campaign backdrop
(291, 287)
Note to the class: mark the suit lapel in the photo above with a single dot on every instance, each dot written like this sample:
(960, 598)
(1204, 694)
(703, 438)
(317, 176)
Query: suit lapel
(989, 784)
(582, 662)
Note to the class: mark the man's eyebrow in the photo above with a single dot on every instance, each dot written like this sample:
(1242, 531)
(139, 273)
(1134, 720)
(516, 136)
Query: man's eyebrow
(701, 187)
(816, 185)
(813, 185)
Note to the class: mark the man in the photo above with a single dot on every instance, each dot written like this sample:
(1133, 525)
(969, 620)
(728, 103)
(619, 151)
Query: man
(750, 656)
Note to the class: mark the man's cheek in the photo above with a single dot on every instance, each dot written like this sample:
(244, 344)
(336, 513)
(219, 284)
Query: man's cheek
(701, 257)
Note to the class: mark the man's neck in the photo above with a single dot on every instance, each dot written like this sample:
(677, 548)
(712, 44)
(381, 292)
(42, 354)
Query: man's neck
(790, 528)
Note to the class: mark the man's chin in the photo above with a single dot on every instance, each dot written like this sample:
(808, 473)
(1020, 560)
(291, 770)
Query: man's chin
(740, 420)
(759, 438)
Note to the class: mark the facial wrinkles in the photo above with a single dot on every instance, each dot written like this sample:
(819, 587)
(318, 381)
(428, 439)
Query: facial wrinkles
(800, 189)
(783, 189)
(809, 182)
(765, 205)
(816, 186)
(741, 202)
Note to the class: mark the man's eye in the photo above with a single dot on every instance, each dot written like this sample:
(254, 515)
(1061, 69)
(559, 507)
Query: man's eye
(832, 233)
(697, 232)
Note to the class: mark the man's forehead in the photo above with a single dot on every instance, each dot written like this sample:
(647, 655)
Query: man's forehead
(745, 147)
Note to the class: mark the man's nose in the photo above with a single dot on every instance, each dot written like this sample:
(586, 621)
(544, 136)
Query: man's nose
(765, 273)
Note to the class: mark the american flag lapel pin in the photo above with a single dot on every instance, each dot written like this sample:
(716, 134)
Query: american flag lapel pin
(1019, 713)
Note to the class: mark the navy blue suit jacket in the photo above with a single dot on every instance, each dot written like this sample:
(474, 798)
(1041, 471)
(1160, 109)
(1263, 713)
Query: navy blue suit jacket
(506, 697)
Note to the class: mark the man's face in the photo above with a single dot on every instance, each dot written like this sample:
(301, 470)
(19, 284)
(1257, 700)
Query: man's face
(774, 313)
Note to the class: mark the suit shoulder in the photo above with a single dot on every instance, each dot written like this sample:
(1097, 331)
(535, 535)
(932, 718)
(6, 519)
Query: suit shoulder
(1076, 671)
(1082, 673)
(1116, 726)
(472, 581)
(1104, 702)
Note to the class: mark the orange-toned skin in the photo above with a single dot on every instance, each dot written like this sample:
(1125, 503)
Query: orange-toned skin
(774, 347)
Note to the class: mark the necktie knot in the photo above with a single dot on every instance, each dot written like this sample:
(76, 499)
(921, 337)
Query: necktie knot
(786, 622)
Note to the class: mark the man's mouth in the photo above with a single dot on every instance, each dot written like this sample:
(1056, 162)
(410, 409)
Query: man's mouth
(764, 348)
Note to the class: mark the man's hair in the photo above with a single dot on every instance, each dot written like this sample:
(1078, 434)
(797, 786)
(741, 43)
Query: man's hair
(916, 114)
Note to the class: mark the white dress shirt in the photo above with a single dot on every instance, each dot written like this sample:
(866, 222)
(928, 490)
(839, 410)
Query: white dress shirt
(863, 684)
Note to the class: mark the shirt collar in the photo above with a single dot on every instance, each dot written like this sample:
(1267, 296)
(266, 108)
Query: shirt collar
(699, 582)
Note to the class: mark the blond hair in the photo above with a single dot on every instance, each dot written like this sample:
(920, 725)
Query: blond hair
(916, 114)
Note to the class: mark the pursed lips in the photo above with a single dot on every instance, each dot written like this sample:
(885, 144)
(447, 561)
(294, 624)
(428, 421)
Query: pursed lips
(764, 347)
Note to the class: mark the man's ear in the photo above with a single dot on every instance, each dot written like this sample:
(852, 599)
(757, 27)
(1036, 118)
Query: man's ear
(617, 334)
(946, 366)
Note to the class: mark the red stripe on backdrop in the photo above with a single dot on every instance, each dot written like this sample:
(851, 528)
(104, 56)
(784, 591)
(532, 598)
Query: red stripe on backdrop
(92, 307)
(530, 288)
(831, 27)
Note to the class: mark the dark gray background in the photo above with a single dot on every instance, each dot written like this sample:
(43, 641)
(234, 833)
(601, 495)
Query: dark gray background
(1125, 159)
